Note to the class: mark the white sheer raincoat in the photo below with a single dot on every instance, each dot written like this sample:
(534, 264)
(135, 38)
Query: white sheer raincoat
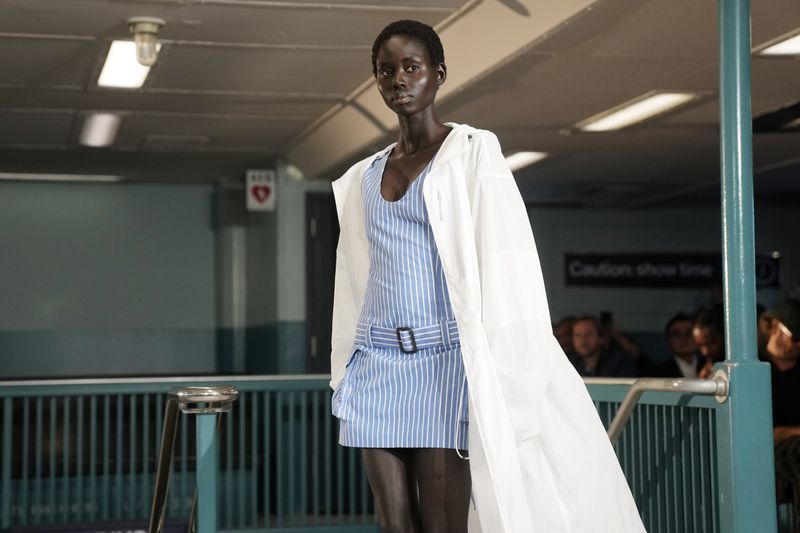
(539, 456)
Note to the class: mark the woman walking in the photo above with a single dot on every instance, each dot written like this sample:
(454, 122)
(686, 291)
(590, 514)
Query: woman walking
(444, 367)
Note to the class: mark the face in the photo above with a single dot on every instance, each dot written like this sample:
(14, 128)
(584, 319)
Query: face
(563, 334)
(406, 79)
(680, 338)
(586, 338)
(711, 344)
(780, 344)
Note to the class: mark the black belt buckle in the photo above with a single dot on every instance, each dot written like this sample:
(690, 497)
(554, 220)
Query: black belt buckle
(400, 340)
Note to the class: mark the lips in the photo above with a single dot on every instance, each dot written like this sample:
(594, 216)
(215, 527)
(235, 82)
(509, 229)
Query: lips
(401, 98)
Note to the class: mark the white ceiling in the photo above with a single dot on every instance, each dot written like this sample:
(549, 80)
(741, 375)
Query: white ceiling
(241, 81)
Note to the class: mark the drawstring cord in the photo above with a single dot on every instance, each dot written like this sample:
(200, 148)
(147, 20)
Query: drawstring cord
(458, 417)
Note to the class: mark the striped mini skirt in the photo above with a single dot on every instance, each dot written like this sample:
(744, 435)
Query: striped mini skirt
(398, 398)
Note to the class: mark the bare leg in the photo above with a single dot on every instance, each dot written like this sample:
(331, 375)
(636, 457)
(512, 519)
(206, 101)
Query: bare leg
(444, 490)
(392, 479)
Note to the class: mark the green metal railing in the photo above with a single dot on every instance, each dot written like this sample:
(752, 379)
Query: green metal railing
(85, 451)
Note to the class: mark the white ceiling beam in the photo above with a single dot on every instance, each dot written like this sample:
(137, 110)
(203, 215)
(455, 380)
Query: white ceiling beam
(481, 37)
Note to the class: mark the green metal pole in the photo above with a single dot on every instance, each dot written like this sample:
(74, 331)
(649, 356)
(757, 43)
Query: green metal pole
(747, 483)
(8, 433)
(207, 467)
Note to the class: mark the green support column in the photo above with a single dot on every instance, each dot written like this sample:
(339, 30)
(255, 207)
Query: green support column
(207, 466)
(747, 484)
(5, 513)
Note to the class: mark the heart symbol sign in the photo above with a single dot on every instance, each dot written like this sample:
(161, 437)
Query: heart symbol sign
(261, 192)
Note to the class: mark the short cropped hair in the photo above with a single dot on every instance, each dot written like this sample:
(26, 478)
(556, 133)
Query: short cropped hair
(593, 319)
(419, 31)
(712, 318)
(677, 317)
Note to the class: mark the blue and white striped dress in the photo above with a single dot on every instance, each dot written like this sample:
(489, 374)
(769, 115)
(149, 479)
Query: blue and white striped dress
(389, 398)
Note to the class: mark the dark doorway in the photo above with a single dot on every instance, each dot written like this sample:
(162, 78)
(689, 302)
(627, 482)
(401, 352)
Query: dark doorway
(322, 235)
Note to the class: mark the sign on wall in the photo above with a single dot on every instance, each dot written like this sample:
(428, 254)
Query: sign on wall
(645, 270)
(261, 191)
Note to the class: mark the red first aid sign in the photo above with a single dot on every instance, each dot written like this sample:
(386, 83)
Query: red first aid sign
(261, 190)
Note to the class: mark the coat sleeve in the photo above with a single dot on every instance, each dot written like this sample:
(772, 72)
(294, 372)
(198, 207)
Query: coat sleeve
(344, 319)
(514, 310)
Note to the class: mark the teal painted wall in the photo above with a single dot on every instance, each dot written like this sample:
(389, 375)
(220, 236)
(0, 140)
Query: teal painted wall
(123, 279)
(105, 279)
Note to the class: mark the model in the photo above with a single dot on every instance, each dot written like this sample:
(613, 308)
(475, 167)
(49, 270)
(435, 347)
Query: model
(444, 367)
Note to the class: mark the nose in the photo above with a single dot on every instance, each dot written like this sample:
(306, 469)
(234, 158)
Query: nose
(399, 80)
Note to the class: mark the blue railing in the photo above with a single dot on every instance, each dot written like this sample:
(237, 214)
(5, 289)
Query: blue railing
(84, 452)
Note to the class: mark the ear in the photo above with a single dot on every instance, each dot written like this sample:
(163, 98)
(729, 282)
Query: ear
(441, 73)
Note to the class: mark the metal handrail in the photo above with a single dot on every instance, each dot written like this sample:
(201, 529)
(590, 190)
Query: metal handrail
(716, 386)
(190, 400)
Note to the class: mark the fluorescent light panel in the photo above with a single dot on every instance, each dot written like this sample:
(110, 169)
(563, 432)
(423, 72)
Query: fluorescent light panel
(58, 177)
(519, 160)
(121, 70)
(792, 124)
(640, 109)
(785, 47)
(100, 129)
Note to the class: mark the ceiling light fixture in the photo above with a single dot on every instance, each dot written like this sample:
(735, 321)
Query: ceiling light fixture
(518, 160)
(639, 109)
(100, 129)
(94, 178)
(121, 69)
(786, 46)
(145, 32)
(792, 124)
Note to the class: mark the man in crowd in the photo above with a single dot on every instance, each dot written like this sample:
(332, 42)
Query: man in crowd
(591, 358)
(685, 361)
(709, 335)
(563, 333)
(783, 351)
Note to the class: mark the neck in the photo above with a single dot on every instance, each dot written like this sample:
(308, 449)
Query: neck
(419, 131)
(590, 361)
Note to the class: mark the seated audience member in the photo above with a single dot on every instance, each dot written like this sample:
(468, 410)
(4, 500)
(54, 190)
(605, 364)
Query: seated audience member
(591, 358)
(618, 341)
(563, 333)
(709, 335)
(783, 351)
(763, 327)
(685, 361)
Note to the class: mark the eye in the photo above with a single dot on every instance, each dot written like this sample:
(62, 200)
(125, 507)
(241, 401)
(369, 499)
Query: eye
(412, 68)
(384, 72)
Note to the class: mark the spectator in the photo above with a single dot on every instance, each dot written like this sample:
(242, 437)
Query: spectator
(783, 350)
(592, 358)
(764, 325)
(563, 333)
(685, 361)
(617, 341)
(709, 335)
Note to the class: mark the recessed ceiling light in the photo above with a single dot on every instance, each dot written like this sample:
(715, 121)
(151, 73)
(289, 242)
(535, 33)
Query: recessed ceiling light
(785, 46)
(11, 176)
(121, 69)
(100, 129)
(519, 160)
(792, 124)
(637, 110)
